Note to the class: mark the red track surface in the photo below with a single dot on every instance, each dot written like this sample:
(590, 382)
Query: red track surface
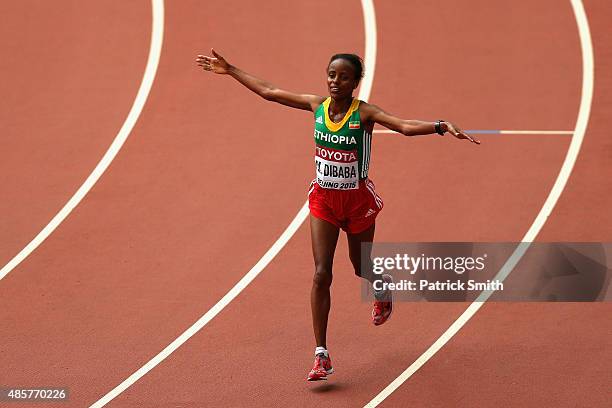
(211, 176)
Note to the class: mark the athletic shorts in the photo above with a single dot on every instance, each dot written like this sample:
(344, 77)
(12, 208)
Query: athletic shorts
(352, 210)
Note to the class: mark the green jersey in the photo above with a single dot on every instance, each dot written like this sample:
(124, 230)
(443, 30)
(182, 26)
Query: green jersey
(342, 150)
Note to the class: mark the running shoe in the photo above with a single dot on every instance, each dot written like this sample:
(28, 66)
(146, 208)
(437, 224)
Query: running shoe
(383, 306)
(322, 368)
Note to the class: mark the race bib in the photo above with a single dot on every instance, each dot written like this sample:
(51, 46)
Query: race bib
(336, 169)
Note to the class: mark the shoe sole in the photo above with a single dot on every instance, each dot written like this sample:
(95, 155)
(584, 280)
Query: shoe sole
(329, 372)
(386, 320)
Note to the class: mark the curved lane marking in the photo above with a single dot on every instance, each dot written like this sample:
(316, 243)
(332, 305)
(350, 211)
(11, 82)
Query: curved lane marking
(141, 98)
(364, 93)
(549, 204)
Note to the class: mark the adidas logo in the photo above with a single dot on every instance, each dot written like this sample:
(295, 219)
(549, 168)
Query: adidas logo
(320, 119)
(370, 212)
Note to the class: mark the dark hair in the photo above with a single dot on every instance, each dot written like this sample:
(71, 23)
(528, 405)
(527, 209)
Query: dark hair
(354, 60)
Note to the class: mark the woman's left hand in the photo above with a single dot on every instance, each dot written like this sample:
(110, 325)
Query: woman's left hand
(460, 134)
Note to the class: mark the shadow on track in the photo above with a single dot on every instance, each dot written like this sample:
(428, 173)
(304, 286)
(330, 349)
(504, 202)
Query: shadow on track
(327, 387)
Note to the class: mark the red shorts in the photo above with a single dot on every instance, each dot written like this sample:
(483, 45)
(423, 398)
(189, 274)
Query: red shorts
(352, 210)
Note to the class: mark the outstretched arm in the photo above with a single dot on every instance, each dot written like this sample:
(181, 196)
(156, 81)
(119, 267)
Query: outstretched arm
(411, 127)
(266, 90)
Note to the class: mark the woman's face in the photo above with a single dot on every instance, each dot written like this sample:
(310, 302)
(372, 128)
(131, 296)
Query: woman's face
(341, 79)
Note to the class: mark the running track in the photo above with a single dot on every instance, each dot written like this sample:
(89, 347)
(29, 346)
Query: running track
(210, 176)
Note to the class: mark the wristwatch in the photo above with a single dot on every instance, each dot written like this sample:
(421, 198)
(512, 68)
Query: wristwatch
(438, 127)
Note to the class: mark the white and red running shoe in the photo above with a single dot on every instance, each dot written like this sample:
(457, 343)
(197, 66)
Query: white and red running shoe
(383, 306)
(322, 368)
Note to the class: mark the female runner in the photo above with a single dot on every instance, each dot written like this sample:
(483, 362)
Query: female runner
(341, 196)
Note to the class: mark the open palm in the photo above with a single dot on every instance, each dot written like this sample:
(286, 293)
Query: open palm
(216, 63)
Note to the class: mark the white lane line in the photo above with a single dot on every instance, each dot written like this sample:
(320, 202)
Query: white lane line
(369, 23)
(549, 204)
(503, 132)
(211, 313)
(364, 93)
(141, 98)
(536, 132)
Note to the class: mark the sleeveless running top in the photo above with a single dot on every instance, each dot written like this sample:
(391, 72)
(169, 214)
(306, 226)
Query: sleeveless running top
(342, 150)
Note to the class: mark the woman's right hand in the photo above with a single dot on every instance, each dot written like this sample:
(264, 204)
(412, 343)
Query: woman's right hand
(216, 63)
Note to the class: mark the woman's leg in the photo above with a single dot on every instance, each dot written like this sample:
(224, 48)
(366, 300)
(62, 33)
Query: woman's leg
(354, 244)
(383, 305)
(324, 237)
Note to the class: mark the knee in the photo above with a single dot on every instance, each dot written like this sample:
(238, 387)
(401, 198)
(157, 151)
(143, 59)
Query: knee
(322, 276)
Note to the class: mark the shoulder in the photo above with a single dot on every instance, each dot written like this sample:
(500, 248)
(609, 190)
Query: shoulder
(316, 101)
(368, 111)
